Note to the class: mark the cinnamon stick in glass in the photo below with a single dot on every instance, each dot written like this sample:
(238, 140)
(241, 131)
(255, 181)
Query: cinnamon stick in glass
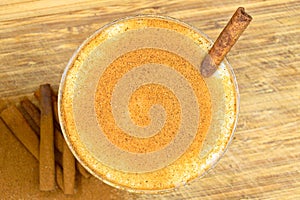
(47, 160)
(228, 37)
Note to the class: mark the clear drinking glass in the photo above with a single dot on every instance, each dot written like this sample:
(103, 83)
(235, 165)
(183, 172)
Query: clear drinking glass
(135, 110)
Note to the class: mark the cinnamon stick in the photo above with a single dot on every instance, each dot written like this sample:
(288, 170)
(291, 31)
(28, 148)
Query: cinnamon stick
(3, 104)
(23, 108)
(69, 171)
(3, 126)
(228, 37)
(54, 105)
(59, 143)
(55, 110)
(59, 177)
(82, 170)
(58, 157)
(32, 110)
(37, 94)
(58, 140)
(15, 121)
(47, 160)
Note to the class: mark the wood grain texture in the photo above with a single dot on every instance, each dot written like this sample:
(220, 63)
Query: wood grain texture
(37, 38)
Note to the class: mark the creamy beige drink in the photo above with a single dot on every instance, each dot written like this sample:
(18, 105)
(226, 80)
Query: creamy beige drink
(136, 111)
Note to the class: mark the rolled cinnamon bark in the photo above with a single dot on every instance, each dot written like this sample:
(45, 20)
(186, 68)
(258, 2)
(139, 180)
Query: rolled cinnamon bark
(69, 171)
(37, 94)
(58, 140)
(55, 111)
(26, 107)
(32, 110)
(47, 160)
(228, 37)
(59, 177)
(58, 157)
(82, 170)
(3, 104)
(18, 125)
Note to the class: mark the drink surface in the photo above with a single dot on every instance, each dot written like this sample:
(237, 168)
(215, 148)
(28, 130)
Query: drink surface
(135, 109)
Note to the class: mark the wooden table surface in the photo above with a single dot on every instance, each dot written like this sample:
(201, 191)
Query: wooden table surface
(37, 38)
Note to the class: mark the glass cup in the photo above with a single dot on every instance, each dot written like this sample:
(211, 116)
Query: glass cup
(135, 110)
